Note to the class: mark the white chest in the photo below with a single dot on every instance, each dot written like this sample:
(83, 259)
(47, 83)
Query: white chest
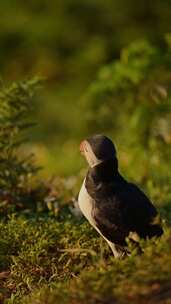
(85, 204)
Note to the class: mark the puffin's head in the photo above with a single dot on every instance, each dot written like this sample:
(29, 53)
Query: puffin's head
(97, 149)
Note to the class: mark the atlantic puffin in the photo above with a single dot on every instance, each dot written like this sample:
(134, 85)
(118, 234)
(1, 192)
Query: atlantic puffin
(116, 208)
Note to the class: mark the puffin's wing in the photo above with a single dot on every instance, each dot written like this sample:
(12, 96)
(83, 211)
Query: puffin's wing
(124, 211)
(109, 220)
(139, 213)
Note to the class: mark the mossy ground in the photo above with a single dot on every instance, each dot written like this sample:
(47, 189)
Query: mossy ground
(46, 259)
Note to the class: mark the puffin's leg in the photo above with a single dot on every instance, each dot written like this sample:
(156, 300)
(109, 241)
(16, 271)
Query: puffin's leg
(117, 250)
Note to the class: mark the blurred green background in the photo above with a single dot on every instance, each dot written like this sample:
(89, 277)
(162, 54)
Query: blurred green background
(107, 66)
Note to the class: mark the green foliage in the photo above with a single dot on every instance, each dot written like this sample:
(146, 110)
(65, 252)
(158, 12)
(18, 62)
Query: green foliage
(139, 81)
(67, 42)
(66, 261)
(16, 104)
(41, 251)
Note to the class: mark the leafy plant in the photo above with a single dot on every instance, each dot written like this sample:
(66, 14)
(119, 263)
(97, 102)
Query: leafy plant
(16, 171)
(139, 83)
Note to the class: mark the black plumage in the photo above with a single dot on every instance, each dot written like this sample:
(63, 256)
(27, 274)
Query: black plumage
(114, 207)
(119, 207)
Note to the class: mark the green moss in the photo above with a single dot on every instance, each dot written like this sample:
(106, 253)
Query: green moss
(66, 261)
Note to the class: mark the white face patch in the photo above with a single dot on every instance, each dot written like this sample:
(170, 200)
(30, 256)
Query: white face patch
(89, 155)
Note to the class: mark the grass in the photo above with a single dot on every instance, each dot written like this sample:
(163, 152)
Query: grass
(35, 252)
(46, 259)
